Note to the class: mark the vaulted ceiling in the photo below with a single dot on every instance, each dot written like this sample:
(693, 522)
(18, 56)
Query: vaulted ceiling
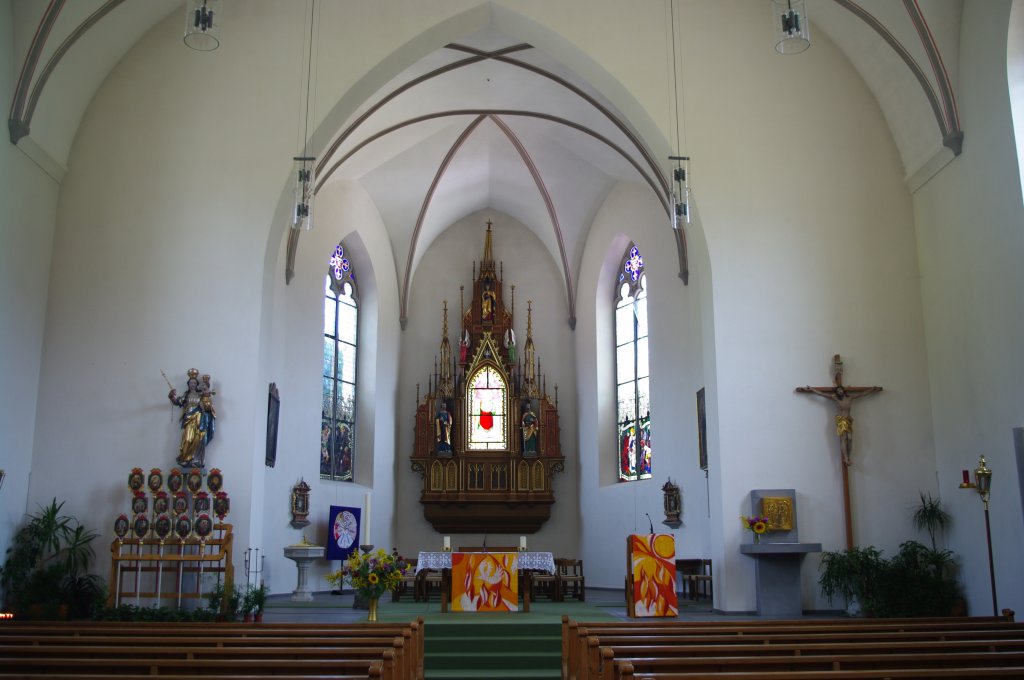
(492, 122)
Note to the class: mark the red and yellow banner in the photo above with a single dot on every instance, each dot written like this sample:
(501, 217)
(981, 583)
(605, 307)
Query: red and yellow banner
(485, 582)
(653, 562)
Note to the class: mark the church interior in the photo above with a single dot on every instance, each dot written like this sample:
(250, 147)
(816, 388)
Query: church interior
(484, 178)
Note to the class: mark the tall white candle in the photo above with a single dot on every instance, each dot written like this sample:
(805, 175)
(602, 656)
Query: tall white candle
(447, 543)
(366, 521)
(522, 542)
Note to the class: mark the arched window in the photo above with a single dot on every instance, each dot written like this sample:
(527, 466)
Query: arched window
(341, 325)
(632, 374)
(487, 407)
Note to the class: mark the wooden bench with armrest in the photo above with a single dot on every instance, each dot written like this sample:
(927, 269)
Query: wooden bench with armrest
(627, 673)
(824, 662)
(400, 647)
(602, 657)
(575, 645)
(28, 667)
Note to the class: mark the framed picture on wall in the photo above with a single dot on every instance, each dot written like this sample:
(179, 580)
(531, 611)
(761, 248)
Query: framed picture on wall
(702, 430)
(273, 411)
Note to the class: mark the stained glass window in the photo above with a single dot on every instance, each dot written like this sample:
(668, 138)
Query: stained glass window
(341, 323)
(486, 410)
(632, 372)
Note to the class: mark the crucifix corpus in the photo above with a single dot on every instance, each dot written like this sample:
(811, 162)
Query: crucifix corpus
(843, 396)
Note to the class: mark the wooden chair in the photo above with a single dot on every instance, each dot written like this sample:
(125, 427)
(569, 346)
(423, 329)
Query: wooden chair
(429, 581)
(702, 581)
(544, 584)
(570, 578)
(409, 582)
(686, 568)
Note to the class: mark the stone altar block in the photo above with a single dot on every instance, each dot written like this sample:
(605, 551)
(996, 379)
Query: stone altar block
(303, 553)
(778, 576)
(779, 556)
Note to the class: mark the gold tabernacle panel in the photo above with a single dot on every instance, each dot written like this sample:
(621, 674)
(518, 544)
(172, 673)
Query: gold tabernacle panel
(779, 511)
(486, 441)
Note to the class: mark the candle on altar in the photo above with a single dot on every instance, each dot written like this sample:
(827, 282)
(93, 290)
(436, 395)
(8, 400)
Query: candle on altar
(522, 542)
(967, 477)
(366, 521)
(447, 543)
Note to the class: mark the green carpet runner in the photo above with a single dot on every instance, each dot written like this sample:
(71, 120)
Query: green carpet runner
(478, 649)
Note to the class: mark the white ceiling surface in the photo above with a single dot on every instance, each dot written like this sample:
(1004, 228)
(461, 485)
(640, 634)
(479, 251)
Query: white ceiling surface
(904, 105)
(84, 68)
(488, 171)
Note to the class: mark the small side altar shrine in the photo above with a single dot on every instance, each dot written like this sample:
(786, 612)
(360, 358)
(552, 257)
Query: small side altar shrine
(487, 442)
(779, 555)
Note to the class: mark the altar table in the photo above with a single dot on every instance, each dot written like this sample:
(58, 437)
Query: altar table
(778, 576)
(442, 561)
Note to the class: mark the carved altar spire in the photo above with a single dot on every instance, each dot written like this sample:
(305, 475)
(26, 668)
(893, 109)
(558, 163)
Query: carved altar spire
(529, 368)
(487, 261)
(445, 385)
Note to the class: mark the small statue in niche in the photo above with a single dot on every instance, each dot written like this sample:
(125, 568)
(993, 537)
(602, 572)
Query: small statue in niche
(300, 504)
(529, 422)
(673, 504)
(443, 430)
(488, 300)
(510, 345)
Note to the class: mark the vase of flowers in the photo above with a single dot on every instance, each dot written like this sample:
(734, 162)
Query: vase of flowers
(755, 524)
(372, 574)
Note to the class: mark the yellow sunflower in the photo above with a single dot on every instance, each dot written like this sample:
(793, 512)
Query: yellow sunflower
(759, 527)
(373, 579)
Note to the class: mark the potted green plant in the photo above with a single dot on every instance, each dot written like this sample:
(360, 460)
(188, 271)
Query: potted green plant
(225, 605)
(258, 600)
(931, 517)
(45, 572)
(248, 606)
(853, 574)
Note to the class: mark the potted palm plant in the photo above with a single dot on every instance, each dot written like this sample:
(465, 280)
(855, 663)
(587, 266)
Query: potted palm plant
(46, 574)
(931, 517)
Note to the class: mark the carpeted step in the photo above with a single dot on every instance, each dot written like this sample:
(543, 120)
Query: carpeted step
(492, 650)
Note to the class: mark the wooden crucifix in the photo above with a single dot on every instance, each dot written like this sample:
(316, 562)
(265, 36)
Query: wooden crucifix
(843, 396)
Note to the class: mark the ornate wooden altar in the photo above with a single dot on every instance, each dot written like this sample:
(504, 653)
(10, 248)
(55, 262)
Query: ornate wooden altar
(486, 434)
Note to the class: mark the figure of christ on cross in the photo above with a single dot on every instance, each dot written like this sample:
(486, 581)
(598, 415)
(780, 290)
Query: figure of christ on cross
(843, 396)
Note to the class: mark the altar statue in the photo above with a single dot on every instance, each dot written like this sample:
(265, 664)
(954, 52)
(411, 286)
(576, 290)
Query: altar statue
(197, 420)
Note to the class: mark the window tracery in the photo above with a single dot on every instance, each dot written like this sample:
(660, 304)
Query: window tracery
(341, 326)
(632, 370)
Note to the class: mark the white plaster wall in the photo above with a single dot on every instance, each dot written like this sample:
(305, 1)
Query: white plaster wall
(810, 233)
(969, 223)
(612, 510)
(28, 200)
(172, 185)
(342, 211)
(446, 265)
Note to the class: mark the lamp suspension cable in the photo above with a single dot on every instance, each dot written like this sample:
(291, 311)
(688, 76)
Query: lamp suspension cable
(681, 173)
(305, 163)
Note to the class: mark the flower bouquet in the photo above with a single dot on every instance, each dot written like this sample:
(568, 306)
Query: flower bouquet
(755, 524)
(371, 574)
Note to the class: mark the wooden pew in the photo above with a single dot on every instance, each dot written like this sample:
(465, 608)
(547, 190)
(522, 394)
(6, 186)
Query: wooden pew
(884, 674)
(398, 649)
(822, 663)
(582, 658)
(601, 651)
(574, 645)
(27, 667)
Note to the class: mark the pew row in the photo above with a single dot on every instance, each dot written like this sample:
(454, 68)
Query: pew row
(601, 651)
(80, 649)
